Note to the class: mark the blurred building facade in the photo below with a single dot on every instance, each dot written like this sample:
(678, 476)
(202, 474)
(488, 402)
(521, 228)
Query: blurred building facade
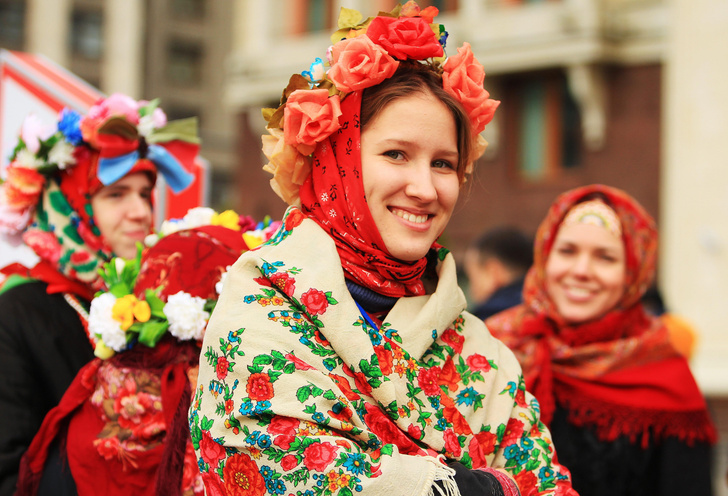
(174, 50)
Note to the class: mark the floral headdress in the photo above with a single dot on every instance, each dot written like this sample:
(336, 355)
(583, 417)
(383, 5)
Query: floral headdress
(365, 53)
(172, 286)
(55, 170)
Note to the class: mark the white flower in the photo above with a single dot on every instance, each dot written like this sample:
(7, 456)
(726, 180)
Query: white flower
(218, 286)
(27, 159)
(33, 131)
(103, 326)
(198, 216)
(151, 240)
(62, 154)
(171, 226)
(187, 316)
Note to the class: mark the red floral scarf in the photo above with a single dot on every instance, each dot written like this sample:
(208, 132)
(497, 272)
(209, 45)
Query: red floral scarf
(333, 196)
(619, 374)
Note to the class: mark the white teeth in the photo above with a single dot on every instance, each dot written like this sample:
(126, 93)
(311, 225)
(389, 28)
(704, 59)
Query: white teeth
(417, 219)
(579, 291)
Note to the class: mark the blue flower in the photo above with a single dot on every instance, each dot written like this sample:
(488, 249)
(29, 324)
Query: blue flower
(434, 402)
(69, 126)
(266, 472)
(246, 407)
(511, 451)
(318, 417)
(234, 336)
(374, 336)
(276, 486)
(546, 473)
(355, 463)
(252, 437)
(262, 406)
(264, 441)
(249, 299)
(201, 465)
(522, 457)
(442, 423)
(467, 396)
(527, 443)
(316, 72)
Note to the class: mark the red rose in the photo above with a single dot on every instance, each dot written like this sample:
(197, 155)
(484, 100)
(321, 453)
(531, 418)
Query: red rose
(405, 37)
(414, 431)
(514, 431)
(487, 441)
(284, 442)
(23, 186)
(284, 282)
(108, 447)
(345, 387)
(453, 339)
(344, 413)
(527, 483)
(452, 444)
(213, 485)
(521, 398)
(318, 456)
(289, 462)
(359, 63)
(210, 450)
(242, 477)
(229, 405)
(294, 219)
(478, 362)
(449, 376)
(44, 244)
(315, 301)
(310, 117)
(385, 359)
(300, 364)
(386, 430)
(463, 78)
(475, 450)
(259, 387)
(283, 425)
(427, 379)
(222, 367)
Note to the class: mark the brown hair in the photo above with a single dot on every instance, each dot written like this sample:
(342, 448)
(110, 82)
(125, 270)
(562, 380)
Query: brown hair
(413, 78)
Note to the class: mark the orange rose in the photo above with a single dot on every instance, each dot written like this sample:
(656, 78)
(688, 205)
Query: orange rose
(463, 78)
(359, 63)
(289, 168)
(310, 117)
(405, 37)
(23, 186)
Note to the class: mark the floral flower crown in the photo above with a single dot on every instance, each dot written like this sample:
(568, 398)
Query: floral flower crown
(42, 151)
(365, 53)
(119, 319)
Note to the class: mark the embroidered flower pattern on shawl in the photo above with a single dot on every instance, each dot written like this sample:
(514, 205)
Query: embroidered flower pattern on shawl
(304, 408)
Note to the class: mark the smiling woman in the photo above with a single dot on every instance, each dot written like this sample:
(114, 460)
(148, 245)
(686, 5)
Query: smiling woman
(340, 358)
(623, 407)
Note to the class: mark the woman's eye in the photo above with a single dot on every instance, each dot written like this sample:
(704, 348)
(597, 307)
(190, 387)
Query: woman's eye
(442, 164)
(394, 154)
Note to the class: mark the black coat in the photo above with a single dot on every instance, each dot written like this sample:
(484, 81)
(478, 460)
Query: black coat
(42, 346)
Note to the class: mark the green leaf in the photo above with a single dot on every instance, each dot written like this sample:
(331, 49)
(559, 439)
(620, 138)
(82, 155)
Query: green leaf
(303, 393)
(263, 360)
(119, 289)
(152, 332)
(387, 449)
(155, 304)
(72, 233)
(59, 203)
(329, 395)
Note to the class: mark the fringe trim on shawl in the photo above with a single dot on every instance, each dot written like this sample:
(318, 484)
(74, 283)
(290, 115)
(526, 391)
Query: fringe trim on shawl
(447, 487)
(611, 421)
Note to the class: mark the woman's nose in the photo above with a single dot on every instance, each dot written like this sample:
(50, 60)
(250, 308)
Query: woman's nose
(420, 183)
(582, 265)
(138, 207)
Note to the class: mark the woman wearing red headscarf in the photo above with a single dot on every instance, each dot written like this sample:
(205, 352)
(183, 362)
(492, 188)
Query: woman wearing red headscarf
(622, 405)
(78, 192)
(340, 358)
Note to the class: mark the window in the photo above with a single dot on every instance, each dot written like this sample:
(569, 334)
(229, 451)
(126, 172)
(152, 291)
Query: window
(543, 127)
(311, 15)
(86, 34)
(184, 64)
(12, 20)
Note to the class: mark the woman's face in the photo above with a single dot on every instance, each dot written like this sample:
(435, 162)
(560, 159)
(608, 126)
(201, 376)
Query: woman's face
(585, 272)
(123, 212)
(409, 157)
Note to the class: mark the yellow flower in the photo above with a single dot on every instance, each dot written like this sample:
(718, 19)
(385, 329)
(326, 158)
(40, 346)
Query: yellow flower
(228, 219)
(102, 351)
(127, 308)
(252, 240)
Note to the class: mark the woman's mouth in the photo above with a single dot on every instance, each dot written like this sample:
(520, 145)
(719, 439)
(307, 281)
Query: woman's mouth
(410, 217)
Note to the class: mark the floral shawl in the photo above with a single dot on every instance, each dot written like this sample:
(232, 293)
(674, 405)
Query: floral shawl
(298, 394)
(618, 374)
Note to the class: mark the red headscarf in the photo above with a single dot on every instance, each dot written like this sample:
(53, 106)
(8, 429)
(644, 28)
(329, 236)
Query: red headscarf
(333, 196)
(618, 374)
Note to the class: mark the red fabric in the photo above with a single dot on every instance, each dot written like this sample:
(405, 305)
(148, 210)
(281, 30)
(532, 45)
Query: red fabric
(619, 373)
(58, 283)
(333, 196)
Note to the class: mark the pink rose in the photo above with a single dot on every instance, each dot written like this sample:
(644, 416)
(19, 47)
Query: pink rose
(284, 282)
(463, 78)
(289, 167)
(221, 369)
(118, 104)
(315, 301)
(284, 442)
(405, 37)
(12, 220)
(514, 432)
(478, 362)
(44, 244)
(427, 379)
(359, 63)
(310, 117)
(213, 485)
(452, 444)
(318, 456)
(33, 131)
(283, 425)
(210, 450)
